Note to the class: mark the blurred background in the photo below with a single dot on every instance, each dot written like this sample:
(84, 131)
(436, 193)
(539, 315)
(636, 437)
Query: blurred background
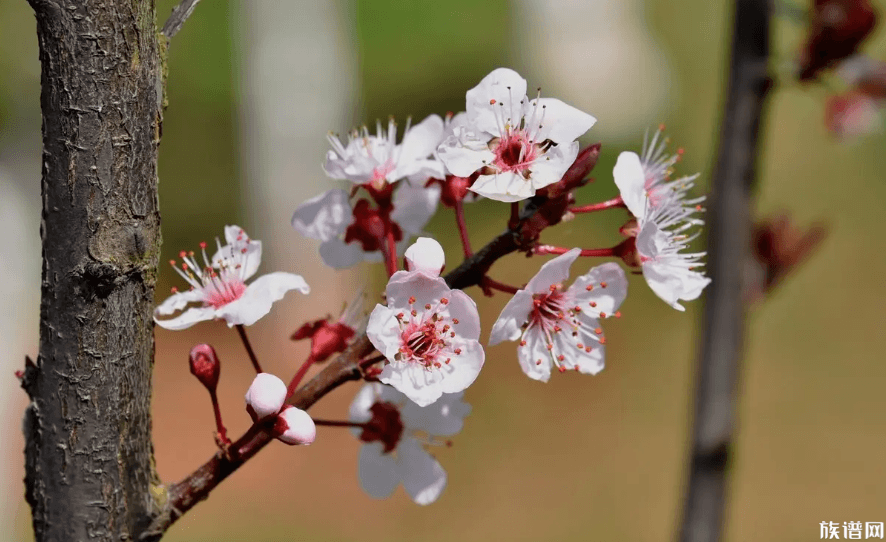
(253, 89)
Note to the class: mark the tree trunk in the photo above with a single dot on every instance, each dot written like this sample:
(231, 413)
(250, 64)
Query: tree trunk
(88, 449)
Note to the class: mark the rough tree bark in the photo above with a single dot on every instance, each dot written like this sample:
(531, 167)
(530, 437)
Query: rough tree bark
(729, 236)
(89, 464)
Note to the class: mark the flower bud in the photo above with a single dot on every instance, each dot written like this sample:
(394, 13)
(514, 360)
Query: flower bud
(426, 256)
(205, 365)
(327, 338)
(294, 426)
(265, 396)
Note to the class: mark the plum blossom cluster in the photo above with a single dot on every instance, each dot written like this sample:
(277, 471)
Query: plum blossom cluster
(421, 346)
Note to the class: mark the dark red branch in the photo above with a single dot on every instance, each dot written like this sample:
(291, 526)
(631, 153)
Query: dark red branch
(602, 206)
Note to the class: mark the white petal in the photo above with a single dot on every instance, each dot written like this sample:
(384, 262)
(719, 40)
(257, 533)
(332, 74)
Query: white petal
(549, 168)
(608, 299)
(421, 140)
(588, 362)
(414, 206)
(187, 318)
(423, 386)
(358, 411)
(266, 395)
(383, 331)
(508, 326)
(631, 182)
(239, 252)
(464, 368)
(259, 296)
(464, 309)
(378, 472)
(426, 290)
(423, 477)
(235, 235)
(534, 356)
(443, 418)
(178, 301)
(425, 256)
(506, 89)
(507, 187)
(300, 428)
(561, 123)
(323, 217)
(553, 272)
(419, 171)
(340, 255)
(464, 153)
(673, 283)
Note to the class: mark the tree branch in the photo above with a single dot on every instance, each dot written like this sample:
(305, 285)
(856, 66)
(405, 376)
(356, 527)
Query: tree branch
(728, 249)
(182, 496)
(177, 18)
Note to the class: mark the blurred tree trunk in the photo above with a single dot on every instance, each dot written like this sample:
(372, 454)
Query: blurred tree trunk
(89, 457)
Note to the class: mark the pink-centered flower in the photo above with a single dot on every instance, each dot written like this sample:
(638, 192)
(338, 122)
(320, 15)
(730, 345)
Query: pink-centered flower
(378, 160)
(351, 234)
(518, 145)
(429, 334)
(665, 213)
(396, 434)
(220, 286)
(560, 327)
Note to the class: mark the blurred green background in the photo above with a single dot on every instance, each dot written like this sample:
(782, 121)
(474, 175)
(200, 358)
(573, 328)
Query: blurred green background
(579, 458)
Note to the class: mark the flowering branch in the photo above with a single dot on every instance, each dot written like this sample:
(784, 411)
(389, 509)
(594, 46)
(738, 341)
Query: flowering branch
(183, 495)
(728, 243)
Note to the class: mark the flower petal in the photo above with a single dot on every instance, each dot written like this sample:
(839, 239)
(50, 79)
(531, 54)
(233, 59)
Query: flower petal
(414, 206)
(464, 368)
(507, 187)
(464, 309)
(553, 272)
(508, 326)
(534, 356)
(560, 122)
(420, 385)
(495, 99)
(177, 302)
(443, 418)
(340, 255)
(323, 217)
(631, 182)
(423, 477)
(606, 300)
(259, 296)
(383, 331)
(550, 167)
(464, 153)
(421, 140)
(378, 472)
(404, 285)
(187, 318)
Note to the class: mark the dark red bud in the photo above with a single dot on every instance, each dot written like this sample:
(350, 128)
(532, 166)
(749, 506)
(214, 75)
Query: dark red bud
(205, 365)
(836, 29)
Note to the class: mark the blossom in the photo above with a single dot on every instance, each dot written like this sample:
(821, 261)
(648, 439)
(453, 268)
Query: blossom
(425, 255)
(265, 396)
(378, 160)
(351, 234)
(560, 327)
(519, 145)
(394, 429)
(294, 426)
(664, 212)
(429, 335)
(220, 285)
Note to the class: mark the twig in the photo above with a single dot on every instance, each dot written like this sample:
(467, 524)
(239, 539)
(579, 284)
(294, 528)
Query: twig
(241, 330)
(177, 18)
(728, 249)
(184, 495)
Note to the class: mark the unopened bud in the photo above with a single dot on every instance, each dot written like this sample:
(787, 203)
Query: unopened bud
(426, 256)
(294, 426)
(205, 365)
(265, 396)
